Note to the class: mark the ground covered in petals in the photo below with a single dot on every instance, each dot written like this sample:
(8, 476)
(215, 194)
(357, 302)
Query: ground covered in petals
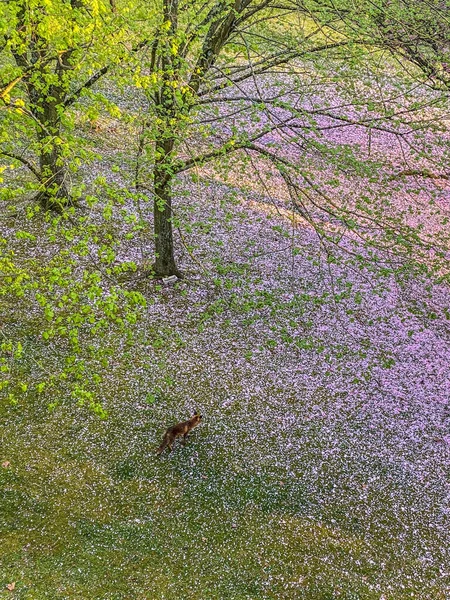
(320, 470)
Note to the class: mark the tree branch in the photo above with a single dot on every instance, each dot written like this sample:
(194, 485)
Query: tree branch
(90, 82)
(25, 162)
(419, 173)
(9, 86)
(270, 63)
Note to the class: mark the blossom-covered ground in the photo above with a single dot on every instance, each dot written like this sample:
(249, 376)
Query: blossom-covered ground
(321, 468)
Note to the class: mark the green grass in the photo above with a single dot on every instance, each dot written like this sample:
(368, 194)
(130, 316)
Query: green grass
(88, 511)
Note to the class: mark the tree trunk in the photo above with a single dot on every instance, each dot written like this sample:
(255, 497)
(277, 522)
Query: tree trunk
(45, 106)
(54, 194)
(162, 209)
(164, 145)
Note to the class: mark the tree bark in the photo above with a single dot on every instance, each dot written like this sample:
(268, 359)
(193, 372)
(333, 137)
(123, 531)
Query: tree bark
(55, 193)
(46, 102)
(165, 264)
(53, 174)
(165, 143)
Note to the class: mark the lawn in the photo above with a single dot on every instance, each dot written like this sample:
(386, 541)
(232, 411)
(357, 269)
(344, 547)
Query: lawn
(321, 468)
(307, 479)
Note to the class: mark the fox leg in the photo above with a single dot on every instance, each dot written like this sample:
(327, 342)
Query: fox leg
(164, 445)
(184, 438)
(161, 448)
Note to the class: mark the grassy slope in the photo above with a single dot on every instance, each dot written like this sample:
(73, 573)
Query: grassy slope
(89, 512)
(292, 488)
(297, 485)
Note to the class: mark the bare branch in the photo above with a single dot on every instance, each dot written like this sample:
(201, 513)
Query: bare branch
(271, 62)
(25, 162)
(92, 80)
(419, 173)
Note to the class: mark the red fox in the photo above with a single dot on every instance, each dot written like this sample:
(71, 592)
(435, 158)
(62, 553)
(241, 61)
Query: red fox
(181, 429)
